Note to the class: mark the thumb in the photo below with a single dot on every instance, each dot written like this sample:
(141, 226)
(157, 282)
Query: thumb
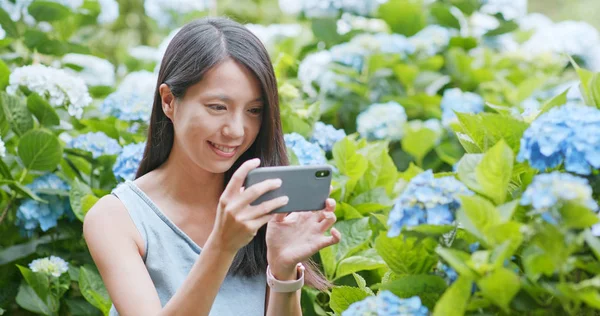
(279, 217)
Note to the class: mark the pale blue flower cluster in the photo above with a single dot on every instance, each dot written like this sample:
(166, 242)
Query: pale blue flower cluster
(32, 214)
(127, 106)
(426, 200)
(128, 161)
(455, 100)
(549, 191)
(52, 266)
(306, 152)
(446, 272)
(431, 40)
(387, 304)
(382, 121)
(326, 136)
(328, 8)
(569, 134)
(96, 143)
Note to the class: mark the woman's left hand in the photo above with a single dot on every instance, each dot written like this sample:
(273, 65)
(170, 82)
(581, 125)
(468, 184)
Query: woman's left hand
(295, 237)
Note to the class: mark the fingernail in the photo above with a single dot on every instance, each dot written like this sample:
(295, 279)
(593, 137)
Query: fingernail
(285, 199)
(278, 181)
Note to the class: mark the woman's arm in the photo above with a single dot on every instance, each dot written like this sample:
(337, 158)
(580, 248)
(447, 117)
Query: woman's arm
(284, 303)
(111, 238)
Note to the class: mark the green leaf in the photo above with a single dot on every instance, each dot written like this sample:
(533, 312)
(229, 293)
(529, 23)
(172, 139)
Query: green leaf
(42, 110)
(38, 282)
(23, 190)
(78, 191)
(443, 16)
(406, 255)
(418, 143)
(405, 17)
(8, 25)
(349, 162)
(406, 74)
(586, 78)
(487, 129)
(507, 210)
(428, 287)
(468, 143)
(93, 290)
(477, 215)
(456, 259)
(356, 233)
(40, 150)
(411, 172)
(328, 261)
(505, 27)
(80, 307)
(343, 296)
(43, 10)
(494, 172)
(16, 113)
(558, 100)
(362, 284)
(364, 260)
(500, 287)
(593, 242)
(325, 29)
(4, 75)
(454, 301)
(29, 300)
(371, 201)
(578, 216)
(528, 87)
(466, 171)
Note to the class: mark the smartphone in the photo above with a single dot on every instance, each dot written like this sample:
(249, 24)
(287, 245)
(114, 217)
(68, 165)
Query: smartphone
(306, 186)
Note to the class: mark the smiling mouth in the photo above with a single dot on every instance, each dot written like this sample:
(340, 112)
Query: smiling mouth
(224, 150)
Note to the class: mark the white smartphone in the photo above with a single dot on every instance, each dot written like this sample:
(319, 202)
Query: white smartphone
(306, 186)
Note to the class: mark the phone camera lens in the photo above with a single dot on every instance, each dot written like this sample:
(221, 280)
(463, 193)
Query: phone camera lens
(322, 173)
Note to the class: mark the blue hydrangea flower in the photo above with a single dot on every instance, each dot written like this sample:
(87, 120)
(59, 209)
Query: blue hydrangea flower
(387, 304)
(459, 101)
(326, 135)
(96, 143)
(127, 106)
(569, 134)
(32, 214)
(52, 266)
(382, 121)
(596, 228)
(328, 8)
(128, 161)
(306, 152)
(548, 191)
(446, 272)
(426, 200)
(432, 39)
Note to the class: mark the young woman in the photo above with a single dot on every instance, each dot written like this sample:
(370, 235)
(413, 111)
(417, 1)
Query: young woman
(183, 239)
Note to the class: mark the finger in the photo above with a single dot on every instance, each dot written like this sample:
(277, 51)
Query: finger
(242, 189)
(237, 180)
(255, 191)
(330, 205)
(279, 217)
(327, 241)
(268, 206)
(329, 220)
(330, 189)
(259, 222)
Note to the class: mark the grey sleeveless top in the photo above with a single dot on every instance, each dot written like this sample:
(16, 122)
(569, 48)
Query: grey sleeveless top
(170, 254)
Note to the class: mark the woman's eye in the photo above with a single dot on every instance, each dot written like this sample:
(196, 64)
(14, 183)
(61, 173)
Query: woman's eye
(217, 107)
(256, 111)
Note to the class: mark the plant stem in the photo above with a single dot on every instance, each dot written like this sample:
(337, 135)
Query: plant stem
(8, 205)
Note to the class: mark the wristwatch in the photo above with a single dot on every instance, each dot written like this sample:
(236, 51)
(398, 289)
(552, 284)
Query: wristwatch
(286, 286)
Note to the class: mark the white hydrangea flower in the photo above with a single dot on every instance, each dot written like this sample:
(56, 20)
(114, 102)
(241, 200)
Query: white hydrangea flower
(2, 149)
(271, 34)
(109, 11)
(159, 9)
(54, 266)
(145, 53)
(382, 121)
(534, 21)
(349, 22)
(17, 9)
(58, 86)
(480, 23)
(142, 82)
(313, 69)
(2, 33)
(432, 39)
(96, 71)
(510, 9)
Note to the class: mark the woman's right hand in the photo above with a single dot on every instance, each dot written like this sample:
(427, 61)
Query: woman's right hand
(237, 222)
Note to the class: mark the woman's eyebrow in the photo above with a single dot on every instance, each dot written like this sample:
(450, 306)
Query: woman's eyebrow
(227, 99)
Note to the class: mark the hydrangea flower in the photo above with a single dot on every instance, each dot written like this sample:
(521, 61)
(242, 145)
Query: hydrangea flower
(349, 22)
(128, 161)
(386, 303)
(382, 121)
(142, 82)
(32, 214)
(163, 11)
(596, 228)
(306, 152)
(432, 39)
(426, 200)
(96, 143)
(60, 87)
(2, 149)
(314, 71)
(273, 33)
(95, 70)
(569, 134)
(128, 106)
(326, 135)
(328, 8)
(548, 191)
(446, 272)
(459, 101)
(510, 9)
(109, 11)
(52, 266)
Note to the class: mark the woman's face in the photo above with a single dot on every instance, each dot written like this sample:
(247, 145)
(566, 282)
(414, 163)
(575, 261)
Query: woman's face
(218, 118)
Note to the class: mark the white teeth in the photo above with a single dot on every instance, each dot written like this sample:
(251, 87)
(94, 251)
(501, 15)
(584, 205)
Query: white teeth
(223, 148)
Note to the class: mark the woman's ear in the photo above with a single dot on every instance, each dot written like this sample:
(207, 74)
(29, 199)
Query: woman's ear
(167, 100)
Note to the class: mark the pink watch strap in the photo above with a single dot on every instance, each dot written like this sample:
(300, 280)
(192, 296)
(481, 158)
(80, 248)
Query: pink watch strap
(286, 286)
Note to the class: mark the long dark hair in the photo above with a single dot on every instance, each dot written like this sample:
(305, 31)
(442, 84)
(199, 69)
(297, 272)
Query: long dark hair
(196, 48)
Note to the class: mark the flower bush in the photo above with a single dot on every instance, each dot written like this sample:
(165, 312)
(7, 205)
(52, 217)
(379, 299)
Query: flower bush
(463, 136)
